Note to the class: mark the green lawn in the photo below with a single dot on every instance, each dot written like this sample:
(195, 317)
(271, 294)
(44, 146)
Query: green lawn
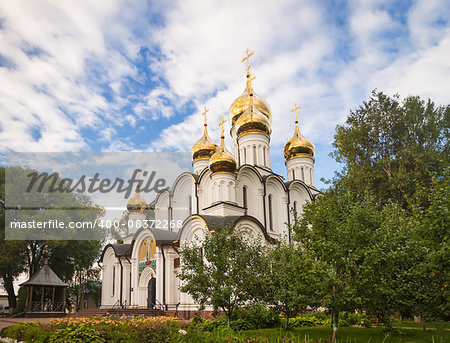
(413, 324)
(373, 335)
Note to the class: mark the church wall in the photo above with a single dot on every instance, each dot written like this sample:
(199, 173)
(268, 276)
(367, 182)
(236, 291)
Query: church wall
(162, 206)
(110, 292)
(249, 179)
(276, 191)
(205, 191)
(182, 199)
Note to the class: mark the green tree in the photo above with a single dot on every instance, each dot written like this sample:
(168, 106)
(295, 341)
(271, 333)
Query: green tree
(220, 271)
(323, 232)
(68, 257)
(12, 257)
(292, 279)
(431, 223)
(389, 146)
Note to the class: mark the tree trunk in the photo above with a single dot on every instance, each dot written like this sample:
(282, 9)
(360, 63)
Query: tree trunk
(335, 326)
(423, 323)
(9, 287)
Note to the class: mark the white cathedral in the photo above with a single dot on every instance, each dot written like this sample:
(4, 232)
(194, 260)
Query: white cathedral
(237, 189)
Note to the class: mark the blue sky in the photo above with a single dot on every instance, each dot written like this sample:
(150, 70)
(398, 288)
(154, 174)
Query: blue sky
(134, 75)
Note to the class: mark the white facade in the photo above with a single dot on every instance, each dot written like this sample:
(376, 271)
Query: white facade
(251, 198)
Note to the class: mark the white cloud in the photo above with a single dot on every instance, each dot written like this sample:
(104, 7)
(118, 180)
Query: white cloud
(59, 58)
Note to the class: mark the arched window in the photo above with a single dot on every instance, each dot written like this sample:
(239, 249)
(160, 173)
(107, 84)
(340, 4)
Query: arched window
(295, 207)
(245, 155)
(190, 204)
(270, 213)
(303, 175)
(293, 174)
(244, 199)
(254, 154)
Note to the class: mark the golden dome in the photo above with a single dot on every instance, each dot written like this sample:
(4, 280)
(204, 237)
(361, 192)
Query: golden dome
(136, 203)
(222, 160)
(241, 104)
(298, 145)
(252, 121)
(204, 148)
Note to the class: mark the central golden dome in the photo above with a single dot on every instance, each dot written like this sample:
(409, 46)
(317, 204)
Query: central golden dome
(242, 103)
(252, 121)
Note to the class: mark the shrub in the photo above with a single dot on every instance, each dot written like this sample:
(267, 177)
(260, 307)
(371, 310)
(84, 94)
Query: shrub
(19, 331)
(76, 334)
(310, 319)
(259, 317)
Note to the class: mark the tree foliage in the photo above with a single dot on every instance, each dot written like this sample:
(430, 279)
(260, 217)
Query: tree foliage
(221, 270)
(389, 146)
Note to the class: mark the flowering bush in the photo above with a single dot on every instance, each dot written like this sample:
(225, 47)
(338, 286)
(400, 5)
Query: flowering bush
(97, 330)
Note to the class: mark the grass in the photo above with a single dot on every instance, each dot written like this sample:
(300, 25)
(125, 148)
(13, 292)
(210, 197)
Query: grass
(347, 335)
(413, 324)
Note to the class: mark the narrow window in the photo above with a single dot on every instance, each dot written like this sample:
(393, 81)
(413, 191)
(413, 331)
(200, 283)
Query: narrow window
(113, 280)
(190, 204)
(245, 155)
(303, 175)
(254, 154)
(264, 156)
(293, 174)
(270, 213)
(244, 197)
(295, 207)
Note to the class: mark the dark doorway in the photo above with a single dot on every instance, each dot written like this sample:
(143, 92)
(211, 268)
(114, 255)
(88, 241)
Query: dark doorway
(151, 295)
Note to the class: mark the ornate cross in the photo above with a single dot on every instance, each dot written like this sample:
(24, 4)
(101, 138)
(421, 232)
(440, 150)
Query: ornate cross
(204, 113)
(294, 110)
(222, 121)
(248, 53)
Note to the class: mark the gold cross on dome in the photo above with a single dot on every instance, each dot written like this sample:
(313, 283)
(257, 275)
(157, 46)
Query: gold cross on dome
(222, 121)
(204, 113)
(248, 53)
(294, 110)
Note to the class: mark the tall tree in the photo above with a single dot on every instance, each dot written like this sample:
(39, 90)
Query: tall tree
(67, 256)
(12, 256)
(292, 280)
(323, 232)
(431, 224)
(388, 146)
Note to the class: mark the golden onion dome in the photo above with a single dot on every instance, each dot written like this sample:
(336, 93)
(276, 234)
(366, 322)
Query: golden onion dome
(222, 160)
(252, 121)
(204, 148)
(136, 203)
(242, 103)
(298, 146)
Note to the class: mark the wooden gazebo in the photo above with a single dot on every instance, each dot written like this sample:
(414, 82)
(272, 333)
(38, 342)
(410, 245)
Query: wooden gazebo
(46, 294)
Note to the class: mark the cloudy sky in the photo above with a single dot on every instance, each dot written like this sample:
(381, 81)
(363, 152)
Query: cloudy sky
(134, 75)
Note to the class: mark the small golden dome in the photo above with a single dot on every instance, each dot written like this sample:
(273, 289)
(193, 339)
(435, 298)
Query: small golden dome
(241, 104)
(298, 145)
(252, 121)
(222, 160)
(136, 203)
(204, 148)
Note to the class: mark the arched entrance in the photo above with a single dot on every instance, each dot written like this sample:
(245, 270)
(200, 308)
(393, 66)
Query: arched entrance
(151, 293)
